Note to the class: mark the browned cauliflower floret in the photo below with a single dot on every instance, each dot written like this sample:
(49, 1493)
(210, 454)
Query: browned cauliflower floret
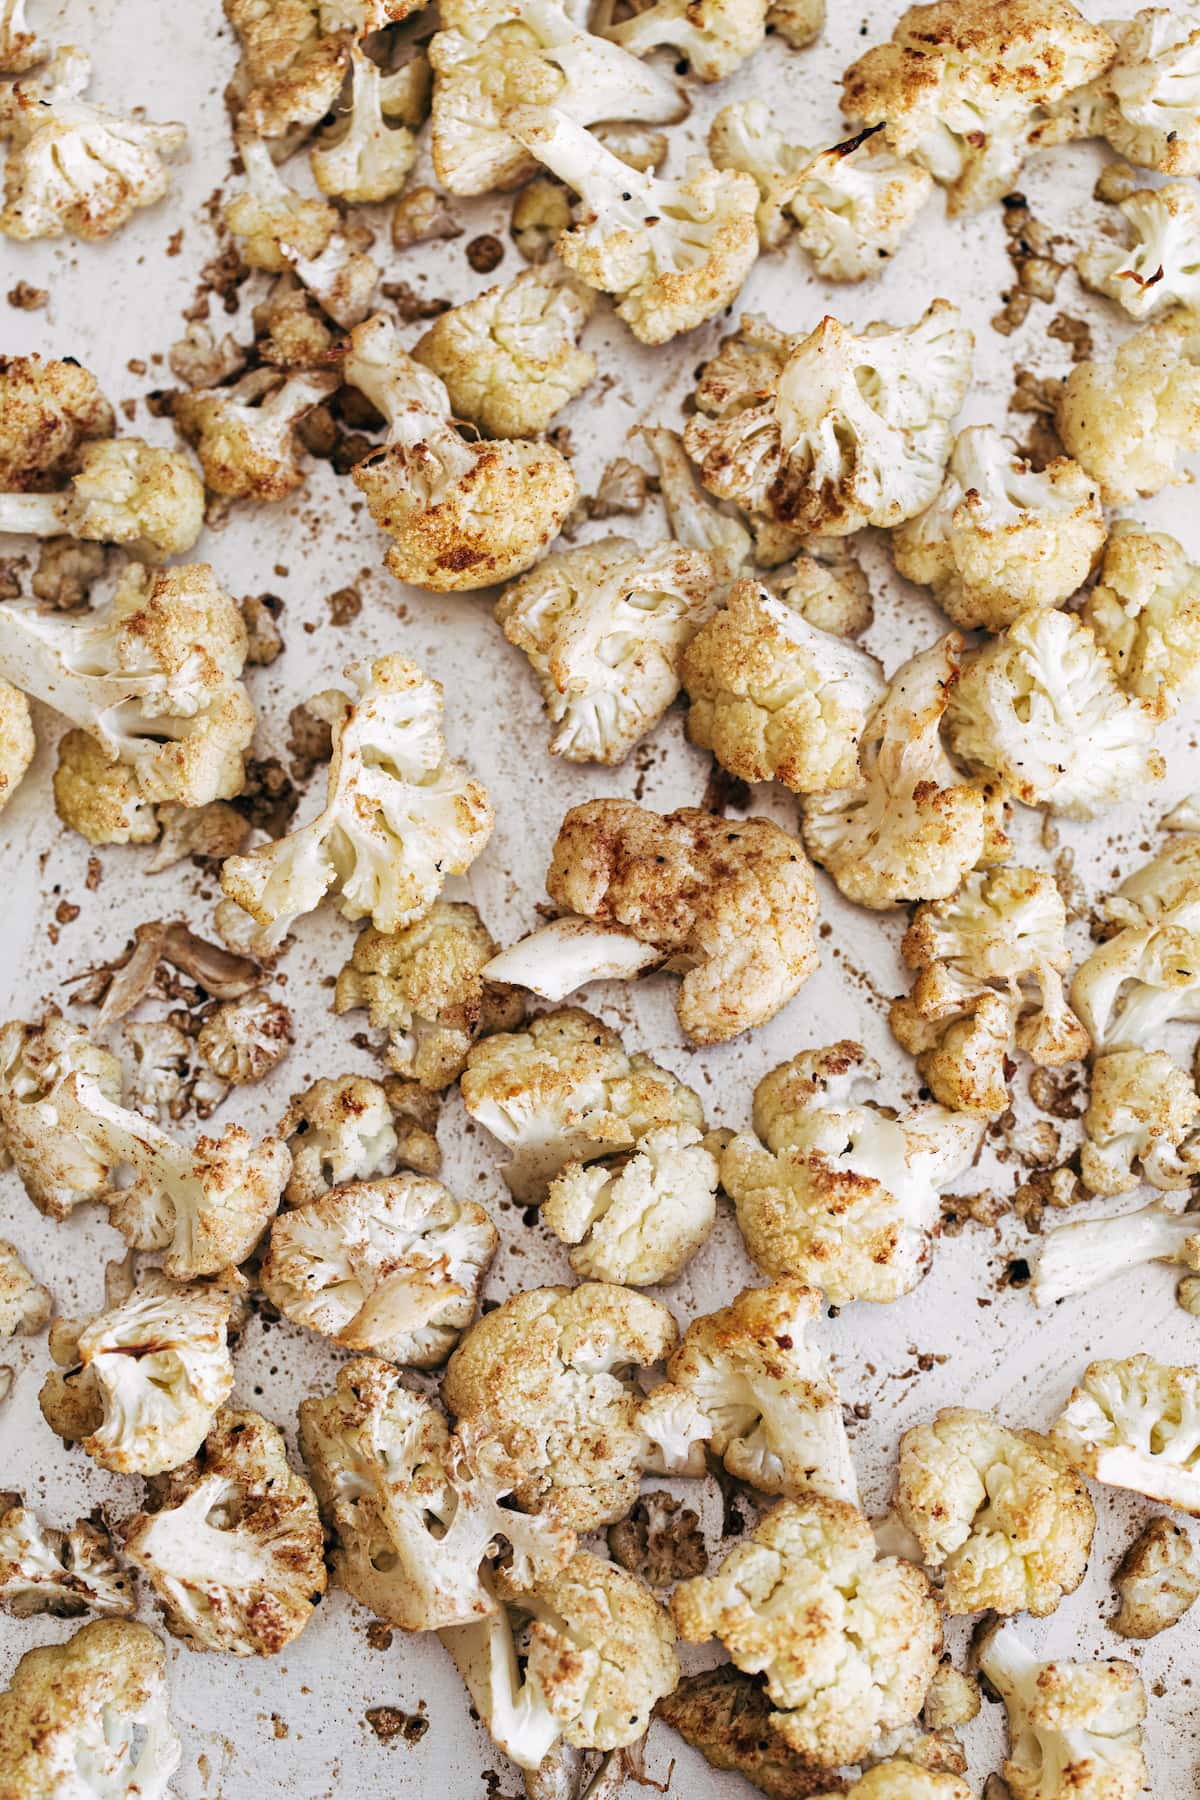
(124, 492)
(424, 986)
(243, 1040)
(714, 36)
(100, 799)
(1133, 421)
(368, 150)
(63, 1573)
(39, 1065)
(1134, 1423)
(1144, 612)
(1147, 102)
(1157, 1580)
(281, 229)
(24, 1303)
(291, 71)
(641, 1217)
(17, 742)
(349, 1128)
(48, 409)
(245, 435)
(289, 331)
(232, 1544)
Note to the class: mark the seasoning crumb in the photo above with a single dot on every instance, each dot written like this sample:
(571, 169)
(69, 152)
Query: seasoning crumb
(392, 1722)
(345, 603)
(27, 298)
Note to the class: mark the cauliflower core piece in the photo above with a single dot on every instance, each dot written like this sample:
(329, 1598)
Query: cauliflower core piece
(24, 1303)
(510, 358)
(847, 1643)
(233, 1546)
(1144, 612)
(672, 253)
(245, 434)
(124, 492)
(398, 819)
(605, 628)
(989, 980)
(640, 1218)
(714, 35)
(1157, 1580)
(839, 1194)
(349, 1128)
(564, 1088)
(90, 1714)
(1074, 1728)
(1160, 267)
(48, 411)
(391, 1266)
(1131, 422)
(73, 167)
(1147, 102)
(63, 1573)
(999, 1512)
(544, 1374)
(414, 1508)
(460, 514)
(38, 1066)
(1135, 1424)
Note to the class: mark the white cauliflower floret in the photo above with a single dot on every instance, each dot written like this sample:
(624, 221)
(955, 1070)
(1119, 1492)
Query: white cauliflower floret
(695, 521)
(1075, 1729)
(399, 816)
(847, 1643)
(161, 1055)
(640, 1218)
(989, 968)
(392, 1267)
(89, 1717)
(673, 253)
(1143, 1116)
(1144, 613)
(74, 167)
(963, 86)
(414, 1508)
(148, 1378)
(460, 514)
(125, 492)
(1132, 421)
(998, 1512)
(548, 1375)
(245, 435)
(245, 1039)
(841, 1194)
(1079, 1257)
(1160, 267)
(1002, 539)
(854, 430)
(715, 36)
(99, 798)
(1138, 981)
(1135, 1424)
(605, 628)
(363, 157)
(48, 411)
(1157, 1580)
(20, 48)
(1039, 710)
(774, 698)
(280, 229)
(909, 827)
(292, 65)
(598, 1652)
(233, 1545)
(495, 54)
(565, 1089)
(38, 1065)
(1147, 102)
(349, 1128)
(64, 1573)
(510, 358)
(24, 1303)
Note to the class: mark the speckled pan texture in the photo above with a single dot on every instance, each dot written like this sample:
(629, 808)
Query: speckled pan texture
(301, 1725)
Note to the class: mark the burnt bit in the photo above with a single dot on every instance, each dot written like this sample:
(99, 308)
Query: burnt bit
(724, 792)
(960, 1210)
(1058, 1092)
(1033, 251)
(1047, 1190)
(221, 278)
(269, 798)
(1075, 333)
(27, 298)
(261, 613)
(310, 740)
(660, 1540)
(380, 1634)
(485, 253)
(1035, 395)
(727, 1717)
(390, 1723)
(345, 604)
(409, 306)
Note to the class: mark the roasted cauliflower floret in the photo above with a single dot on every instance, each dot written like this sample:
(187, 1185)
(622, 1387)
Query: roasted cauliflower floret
(839, 1193)
(605, 628)
(90, 1714)
(414, 1508)
(1147, 102)
(20, 48)
(545, 1375)
(17, 743)
(695, 520)
(672, 253)
(48, 411)
(38, 1068)
(1158, 267)
(292, 65)
(349, 1128)
(399, 816)
(847, 1643)
(245, 1039)
(245, 435)
(1143, 1117)
(1144, 613)
(1157, 1580)
(124, 492)
(74, 167)
(1078, 1257)
(714, 35)
(63, 1573)
(1135, 1424)
(1131, 422)
(24, 1303)
(99, 798)
(364, 157)
(638, 1218)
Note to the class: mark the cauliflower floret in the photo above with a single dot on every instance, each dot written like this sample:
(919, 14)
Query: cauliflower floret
(853, 430)
(1144, 613)
(989, 980)
(848, 1644)
(1147, 102)
(289, 331)
(1138, 981)
(393, 1267)
(1075, 1729)
(415, 1509)
(20, 48)
(233, 1545)
(63, 1573)
(99, 798)
(292, 66)
(998, 1512)
(148, 1377)
(798, 22)
(715, 36)
(899, 1779)
(461, 514)
(1135, 1424)
(349, 1128)
(673, 253)
(1078, 1257)
(162, 1055)
(125, 492)
(909, 827)
(24, 1303)
(48, 411)
(545, 1373)
(17, 742)
(598, 1653)
(1142, 1117)
(963, 84)
(245, 435)
(605, 628)
(1160, 267)
(510, 358)
(362, 157)
(74, 167)
(399, 816)
(495, 54)
(775, 699)
(245, 1039)
(695, 521)
(1131, 421)
(639, 1218)
(90, 1717)
(1157, 1580)
(840, 1193)
(281, 229)
(424, 986)
(564, 1089)
(1000, 539)
(38, 1064)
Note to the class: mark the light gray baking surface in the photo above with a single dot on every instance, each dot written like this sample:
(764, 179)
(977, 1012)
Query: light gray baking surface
(295, 1727)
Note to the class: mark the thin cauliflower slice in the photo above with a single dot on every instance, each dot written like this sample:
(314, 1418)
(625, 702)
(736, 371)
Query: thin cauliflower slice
(363, 157)
(715, 36)
(847, 1643)
(391, 1266)
(1144, 612)
(1160, 266)
(38, 1064)
(1135, 1424)
(1075, 1729)
(547, 1374)
(1131, 422)
(839, 1193)
(125, 492)
(25, 1304)
(245, 435)
(605, 628)
(63, 1573)
(998, 1512)
(348, 1128)
(232, 1543)
(399, 816)
(49, 409)
(640, 1218)
(1147, 102)
(416, 1509)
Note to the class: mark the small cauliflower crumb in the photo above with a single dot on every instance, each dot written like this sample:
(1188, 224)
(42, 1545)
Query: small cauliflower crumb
(1157, 1580)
